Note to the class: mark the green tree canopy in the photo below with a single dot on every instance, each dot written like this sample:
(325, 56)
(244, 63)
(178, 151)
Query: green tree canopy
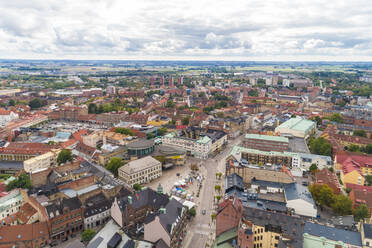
(186, 121)
(342, 205)
(361, 212)
(23, 181)
(36, 103)
(320, 146)
(125, 131)
(87, 235)
(64, 156)
(313, 168)
(360, 133)
(137, 187)
(336, 117)
(114, 164)
(11, 102)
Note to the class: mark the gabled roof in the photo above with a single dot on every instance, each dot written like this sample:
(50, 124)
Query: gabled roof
(332, 233)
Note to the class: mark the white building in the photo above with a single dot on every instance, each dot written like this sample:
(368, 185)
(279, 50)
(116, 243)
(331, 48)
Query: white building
(7, 116)
(140, 171)
(296, 127)
(11, 203)
(42, 161)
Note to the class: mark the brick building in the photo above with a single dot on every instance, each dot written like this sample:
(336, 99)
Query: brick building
(228, 216)
(266, 142)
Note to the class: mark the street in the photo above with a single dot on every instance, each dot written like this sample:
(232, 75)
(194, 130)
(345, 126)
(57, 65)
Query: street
(201, 229)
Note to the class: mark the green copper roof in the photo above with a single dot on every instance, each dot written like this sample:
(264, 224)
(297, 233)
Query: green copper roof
(266, 137)
(298, 124)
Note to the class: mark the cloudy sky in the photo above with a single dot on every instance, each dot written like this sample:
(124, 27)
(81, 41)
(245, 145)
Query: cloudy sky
(192, 29)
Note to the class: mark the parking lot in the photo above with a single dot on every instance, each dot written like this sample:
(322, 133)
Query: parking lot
(298, 145)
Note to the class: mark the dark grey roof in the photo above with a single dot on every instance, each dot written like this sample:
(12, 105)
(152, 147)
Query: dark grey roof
(114, 241)
(140, 144)
(161, 244)
(367, 228)
(96, 243)
(173, 213)
(332, 233)
(164, 150)
(295, 191)
(270, 184)
(71, 203)
(129, 244)
(234, 180)
(11, 165)
(143, 198)
(96, 205)
(290, 227)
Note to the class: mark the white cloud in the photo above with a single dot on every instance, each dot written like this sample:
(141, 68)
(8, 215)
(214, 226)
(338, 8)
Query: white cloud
(178, 29)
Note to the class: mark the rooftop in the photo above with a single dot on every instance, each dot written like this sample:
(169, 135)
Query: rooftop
(332, 233)
(298, 124)
(139, 165)
(266, 137)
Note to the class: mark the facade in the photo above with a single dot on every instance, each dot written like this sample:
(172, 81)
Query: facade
(168, 224)
(266, 142)
(43, 161)
(228, 215)
(17, 151)
(34, 235)
(141, 148)
(140, 171)
(200, 143)
(96, 211)
(296, 127)
(7, 116)
(131, 210)
(65, 218)
(199, 148)
(11, 203)
(316, 235)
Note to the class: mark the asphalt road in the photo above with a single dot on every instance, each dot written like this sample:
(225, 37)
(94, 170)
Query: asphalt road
(202, 230)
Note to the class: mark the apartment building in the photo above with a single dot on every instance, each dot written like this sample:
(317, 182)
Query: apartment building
(266, 142)
(17, 151)
(42, 161)
(11, 203)
(140, 171)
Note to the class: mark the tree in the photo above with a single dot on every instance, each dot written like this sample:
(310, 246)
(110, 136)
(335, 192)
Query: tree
(92, 108)
(336, 117)
(36, 103)
(368, 180)
(253, 93)
(192, 212)
(87, 235)
(213, 217)
(326, 196)
(64, 156)
(137, 187)
(170, 104)
(320, 146)
(186, 121)
(217, 188)
(218, 198)
(342, 205)
(162, 131)
(125, 131)
(353, 148)
(11, 102)
(313, 168)
(360, 133)
(194, 167)
(114, 164)
(361, 212)
(23, 181)
(368, 148)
